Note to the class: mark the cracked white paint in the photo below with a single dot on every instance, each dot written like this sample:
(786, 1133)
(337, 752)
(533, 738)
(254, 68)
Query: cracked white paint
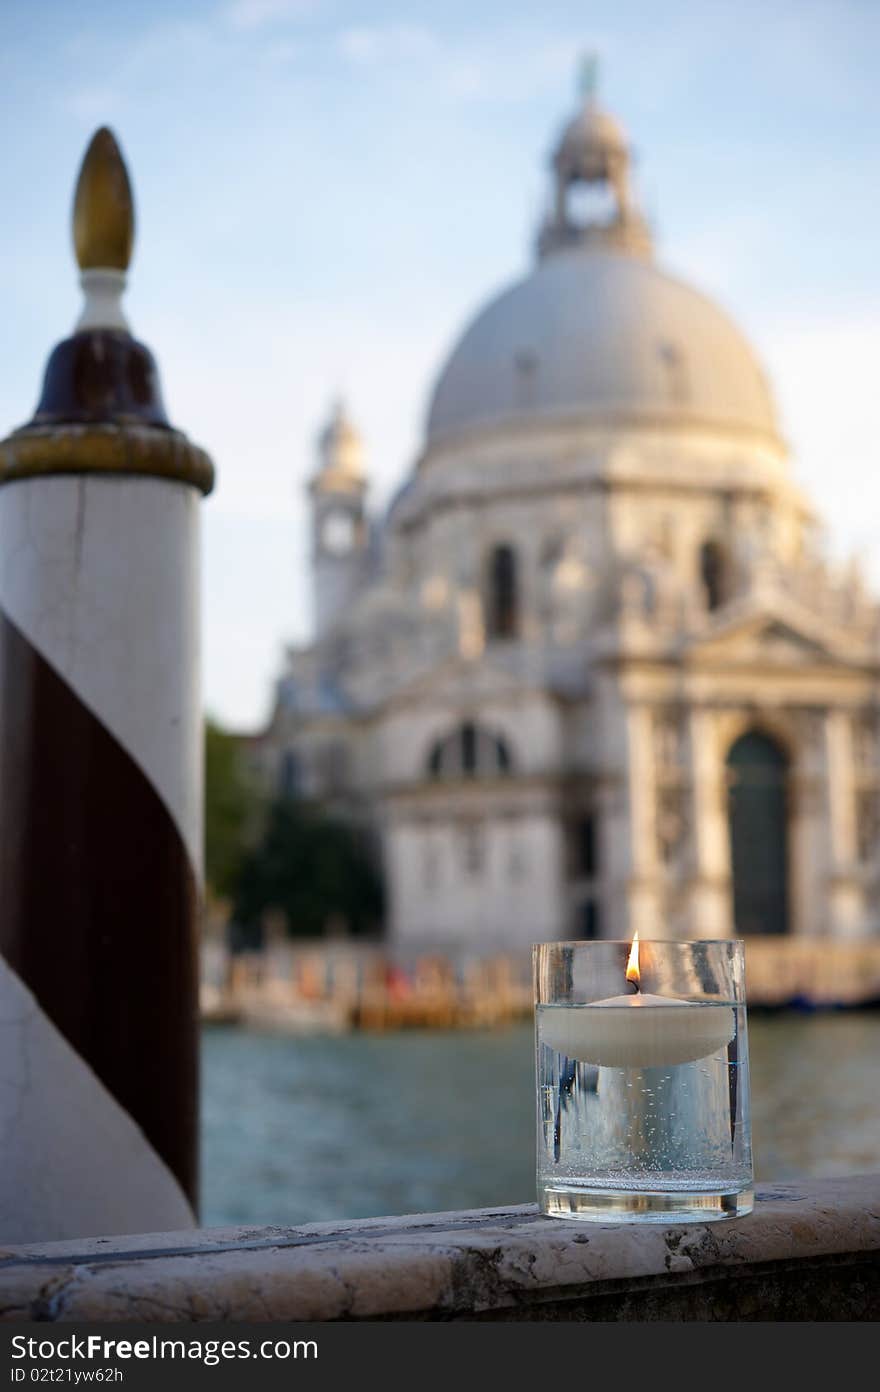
(102, 577)
(72, 1162)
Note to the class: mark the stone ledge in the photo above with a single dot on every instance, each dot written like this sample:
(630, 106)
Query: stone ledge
(809, 1251)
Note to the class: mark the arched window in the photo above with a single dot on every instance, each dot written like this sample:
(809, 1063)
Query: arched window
(502, 584)
(590, 205)
(589, 920)
(526, 369)
(713, 574)
(585, 848)
(471, 751)
(675, 371)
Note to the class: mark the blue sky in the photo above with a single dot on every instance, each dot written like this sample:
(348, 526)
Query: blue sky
(326, 190)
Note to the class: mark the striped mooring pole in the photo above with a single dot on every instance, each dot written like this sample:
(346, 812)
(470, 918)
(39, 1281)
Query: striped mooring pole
(100, 769)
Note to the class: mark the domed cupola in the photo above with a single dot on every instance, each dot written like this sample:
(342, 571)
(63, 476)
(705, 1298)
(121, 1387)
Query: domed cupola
(597, 333)
(592, 158)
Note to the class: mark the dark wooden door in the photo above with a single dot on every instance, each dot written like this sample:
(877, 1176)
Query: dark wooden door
(758, 816)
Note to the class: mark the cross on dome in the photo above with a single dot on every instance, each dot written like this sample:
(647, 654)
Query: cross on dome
(588, 75)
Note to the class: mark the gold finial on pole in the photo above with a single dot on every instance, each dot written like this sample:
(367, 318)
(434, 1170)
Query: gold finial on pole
(103, 207)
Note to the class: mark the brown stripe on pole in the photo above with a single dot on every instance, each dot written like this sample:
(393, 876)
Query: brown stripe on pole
(99, 701)
(99, 901)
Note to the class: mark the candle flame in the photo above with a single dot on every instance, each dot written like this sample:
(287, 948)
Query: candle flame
(632, 966)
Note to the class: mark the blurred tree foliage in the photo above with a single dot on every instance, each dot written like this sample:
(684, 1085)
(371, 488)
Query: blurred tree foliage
(231, 811)
(287, 855)
(314, 870)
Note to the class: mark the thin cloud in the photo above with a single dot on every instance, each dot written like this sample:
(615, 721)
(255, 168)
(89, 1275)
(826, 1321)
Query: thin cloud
(249, 15)
(98, 103)
(369, 46)
(514, 68)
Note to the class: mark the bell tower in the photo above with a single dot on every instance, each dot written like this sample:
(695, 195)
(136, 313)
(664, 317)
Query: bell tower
(340, 532)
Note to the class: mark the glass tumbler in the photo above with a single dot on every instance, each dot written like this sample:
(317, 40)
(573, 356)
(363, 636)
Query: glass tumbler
(642, 1081)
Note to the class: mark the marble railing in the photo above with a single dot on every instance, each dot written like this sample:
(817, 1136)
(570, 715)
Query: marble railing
(809, 1251)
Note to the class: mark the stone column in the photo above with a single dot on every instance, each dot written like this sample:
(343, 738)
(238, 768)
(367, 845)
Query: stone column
(843, 893)
(101, 760)
(644, 910)
(711, 907)
(810, 852)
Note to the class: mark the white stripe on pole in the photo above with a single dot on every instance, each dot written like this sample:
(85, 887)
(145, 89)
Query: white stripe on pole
(73, 1163)
(101, 575)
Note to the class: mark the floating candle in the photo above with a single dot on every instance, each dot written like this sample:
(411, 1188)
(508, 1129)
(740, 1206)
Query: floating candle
(638, 1031)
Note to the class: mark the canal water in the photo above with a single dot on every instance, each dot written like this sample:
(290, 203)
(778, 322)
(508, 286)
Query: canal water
(300, 1130)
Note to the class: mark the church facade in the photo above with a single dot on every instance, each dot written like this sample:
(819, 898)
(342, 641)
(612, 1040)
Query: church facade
(590, 672)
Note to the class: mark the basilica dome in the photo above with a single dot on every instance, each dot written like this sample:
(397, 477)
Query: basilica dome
(601, 335)
(598, 332)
